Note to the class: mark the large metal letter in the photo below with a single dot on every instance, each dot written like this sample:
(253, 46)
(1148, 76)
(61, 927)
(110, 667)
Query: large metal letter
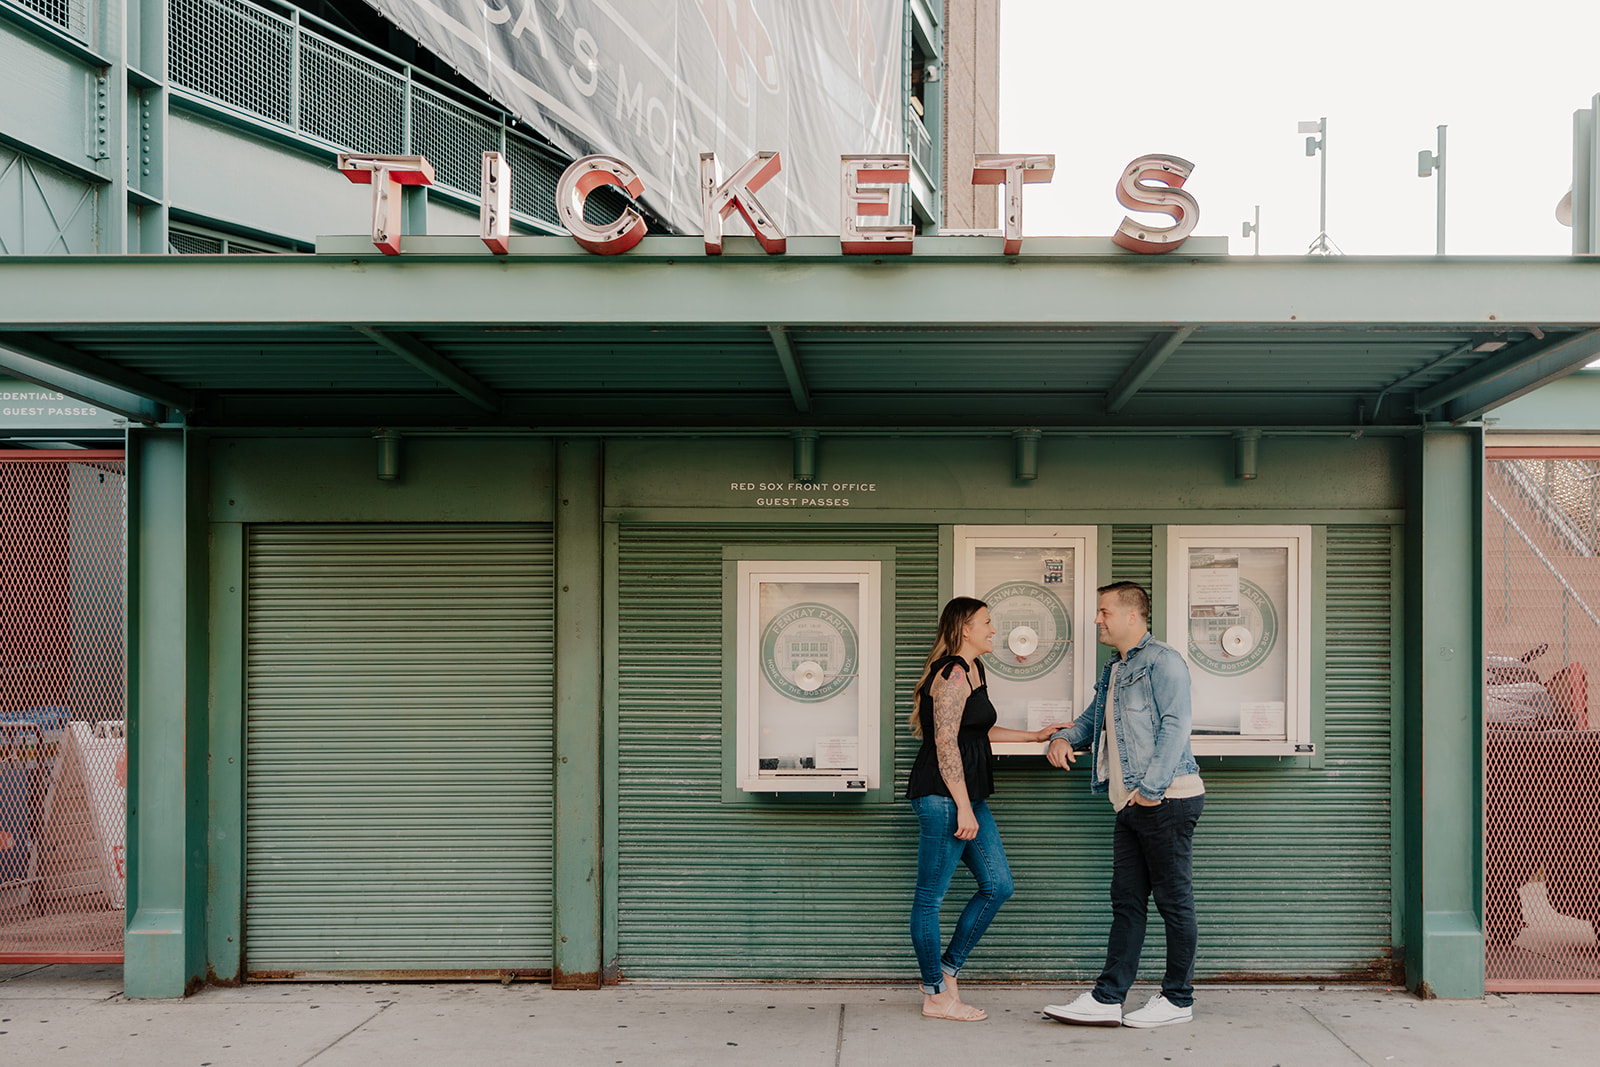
(386, 174)
(719, 198)
(1012, 172)
(873, 199)
(1134, 194)
(494, 207)
(586, 175)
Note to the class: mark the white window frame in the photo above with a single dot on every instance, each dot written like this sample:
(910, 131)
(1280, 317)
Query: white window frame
(1084, 541)
(867, 575)
(1296, 625)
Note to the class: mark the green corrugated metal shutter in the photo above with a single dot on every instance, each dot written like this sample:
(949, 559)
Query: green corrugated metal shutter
(398, 749)
(1292, 865)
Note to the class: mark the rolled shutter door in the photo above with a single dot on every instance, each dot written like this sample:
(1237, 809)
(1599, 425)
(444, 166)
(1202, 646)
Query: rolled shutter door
(398, 750)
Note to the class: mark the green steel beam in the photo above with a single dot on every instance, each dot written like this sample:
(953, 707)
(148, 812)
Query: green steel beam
(1157, 352)
(1483, 390)
(793, 372)
(948, 281)
(93, 367)
(89, 390)
(627, 413)
(168, 654)
(579, 642)
(433, 364)
(1443, 734)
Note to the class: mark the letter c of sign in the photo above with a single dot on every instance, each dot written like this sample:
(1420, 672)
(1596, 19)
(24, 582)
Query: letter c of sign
(581, 178)
(1136, 194)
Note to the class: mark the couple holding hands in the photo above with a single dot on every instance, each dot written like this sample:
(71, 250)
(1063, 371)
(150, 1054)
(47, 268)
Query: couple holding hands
(1138, 728)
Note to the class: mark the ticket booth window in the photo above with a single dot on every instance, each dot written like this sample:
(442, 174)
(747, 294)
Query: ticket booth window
(1039, 583)
(809, 661)
(1239, 611)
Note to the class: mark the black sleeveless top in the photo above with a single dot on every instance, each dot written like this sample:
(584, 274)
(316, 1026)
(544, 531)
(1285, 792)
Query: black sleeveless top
(972, 740)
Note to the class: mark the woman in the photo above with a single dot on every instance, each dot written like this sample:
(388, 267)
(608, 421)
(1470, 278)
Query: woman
(952, 776)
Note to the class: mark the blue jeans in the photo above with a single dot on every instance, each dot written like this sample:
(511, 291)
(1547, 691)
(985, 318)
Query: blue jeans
(1152, 855)
(938, 850)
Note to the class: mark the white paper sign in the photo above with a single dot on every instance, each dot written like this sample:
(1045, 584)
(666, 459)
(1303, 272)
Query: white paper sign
(1213, 585)
(837, 753)
(1262, 718)
(1042, 713)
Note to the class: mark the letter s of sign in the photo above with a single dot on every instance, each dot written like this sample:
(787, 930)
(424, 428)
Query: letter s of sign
(1135, 194)
(719, 198)
(577, 181)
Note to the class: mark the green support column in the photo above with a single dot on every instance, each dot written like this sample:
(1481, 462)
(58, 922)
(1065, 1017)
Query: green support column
(1443, 763)
(167, 737)
(579, 641)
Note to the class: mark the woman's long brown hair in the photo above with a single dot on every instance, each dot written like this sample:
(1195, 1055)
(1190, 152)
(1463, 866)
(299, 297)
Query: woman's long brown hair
(952, 620)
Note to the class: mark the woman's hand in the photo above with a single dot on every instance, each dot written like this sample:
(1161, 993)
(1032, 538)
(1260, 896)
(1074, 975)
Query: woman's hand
(966, 824)
(1043, 733)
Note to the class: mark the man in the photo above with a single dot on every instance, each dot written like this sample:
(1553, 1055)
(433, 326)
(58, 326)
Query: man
(1139, 724)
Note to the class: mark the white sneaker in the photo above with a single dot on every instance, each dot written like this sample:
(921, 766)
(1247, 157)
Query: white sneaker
(1158, 1012)
(1086, 1011)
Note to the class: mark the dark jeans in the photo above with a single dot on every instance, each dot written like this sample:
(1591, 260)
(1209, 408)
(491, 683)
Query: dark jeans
(1152, 854)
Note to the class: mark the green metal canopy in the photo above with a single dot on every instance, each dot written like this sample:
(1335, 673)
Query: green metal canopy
(1064, 336)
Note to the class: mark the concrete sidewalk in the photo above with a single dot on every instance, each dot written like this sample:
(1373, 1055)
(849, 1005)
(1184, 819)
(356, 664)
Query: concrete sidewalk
(78, 1015)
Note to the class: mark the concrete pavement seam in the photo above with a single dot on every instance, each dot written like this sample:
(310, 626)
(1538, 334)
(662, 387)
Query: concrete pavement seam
(838, 1040)
(1335, 1036)
(347, 1033)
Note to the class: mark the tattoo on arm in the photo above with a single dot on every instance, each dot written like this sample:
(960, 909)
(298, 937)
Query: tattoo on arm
(949, 701)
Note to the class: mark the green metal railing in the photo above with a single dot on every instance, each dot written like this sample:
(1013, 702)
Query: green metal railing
(313, 80)
(69, 15)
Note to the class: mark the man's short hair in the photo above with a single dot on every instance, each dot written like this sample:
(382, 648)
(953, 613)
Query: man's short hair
(1130, 595)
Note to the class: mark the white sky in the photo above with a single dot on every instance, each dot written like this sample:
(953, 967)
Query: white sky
(1224, 83)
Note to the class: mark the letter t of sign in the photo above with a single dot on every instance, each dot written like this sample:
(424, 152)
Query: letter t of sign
(386, 174)
(1012, 172)
(719, 198)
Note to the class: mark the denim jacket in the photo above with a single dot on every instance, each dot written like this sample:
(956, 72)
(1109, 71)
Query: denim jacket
(1152, 715)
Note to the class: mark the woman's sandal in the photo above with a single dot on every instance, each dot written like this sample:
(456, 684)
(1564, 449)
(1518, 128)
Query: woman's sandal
(961, 1013)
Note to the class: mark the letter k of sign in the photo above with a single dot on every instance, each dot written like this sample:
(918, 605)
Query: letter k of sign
(738, 32)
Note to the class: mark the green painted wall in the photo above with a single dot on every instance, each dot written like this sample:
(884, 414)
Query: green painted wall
(699, 495)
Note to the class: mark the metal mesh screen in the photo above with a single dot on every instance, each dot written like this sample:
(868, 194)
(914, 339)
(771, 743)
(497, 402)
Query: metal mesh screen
(453, 138)
(533, 178)
(186, 243)
(350, 101)
(235, 52)
(257, 61)
(70, 15)
(1542, 730)
(63, 764)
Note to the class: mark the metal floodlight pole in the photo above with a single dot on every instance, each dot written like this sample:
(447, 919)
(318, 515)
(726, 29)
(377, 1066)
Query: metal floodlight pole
(1314, 145)
(1427, 163)
(1254, 228)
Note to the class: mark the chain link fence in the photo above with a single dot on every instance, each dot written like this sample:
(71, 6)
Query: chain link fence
(63, 760)
(1541, 606)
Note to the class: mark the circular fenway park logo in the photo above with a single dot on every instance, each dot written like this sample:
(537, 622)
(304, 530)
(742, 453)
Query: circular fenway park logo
(1033, 630)
(1229, 646)
(809, 653)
